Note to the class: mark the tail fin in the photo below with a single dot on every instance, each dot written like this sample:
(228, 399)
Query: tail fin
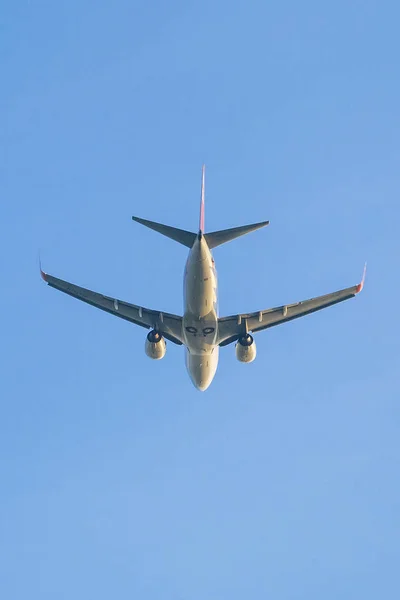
(216, 238)
(186, 238)
(203, 178)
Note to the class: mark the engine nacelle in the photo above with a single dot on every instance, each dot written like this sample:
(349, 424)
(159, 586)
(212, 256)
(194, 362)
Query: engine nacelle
(246, 349)
(155, 346)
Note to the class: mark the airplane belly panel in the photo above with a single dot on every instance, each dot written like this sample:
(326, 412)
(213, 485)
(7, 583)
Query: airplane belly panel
(200, 319)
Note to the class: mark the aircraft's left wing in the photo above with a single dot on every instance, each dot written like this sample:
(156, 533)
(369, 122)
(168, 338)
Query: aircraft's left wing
(169, 325)
(232, 327)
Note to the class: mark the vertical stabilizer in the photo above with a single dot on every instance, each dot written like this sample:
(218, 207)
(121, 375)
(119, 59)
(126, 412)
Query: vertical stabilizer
(203, 177)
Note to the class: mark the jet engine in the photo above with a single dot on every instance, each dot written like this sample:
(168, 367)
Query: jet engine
(246, 349)
(155, 346)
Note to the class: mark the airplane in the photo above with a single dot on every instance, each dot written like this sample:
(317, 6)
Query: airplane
(200, 330)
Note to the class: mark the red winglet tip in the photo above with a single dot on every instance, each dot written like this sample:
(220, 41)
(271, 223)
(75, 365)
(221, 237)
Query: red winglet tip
(43, 275)
(361, 285)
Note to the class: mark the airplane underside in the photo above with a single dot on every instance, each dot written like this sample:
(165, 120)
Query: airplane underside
(200, 328)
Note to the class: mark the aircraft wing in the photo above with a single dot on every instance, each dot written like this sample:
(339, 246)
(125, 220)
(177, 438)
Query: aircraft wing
(232, 327)
(170, 326)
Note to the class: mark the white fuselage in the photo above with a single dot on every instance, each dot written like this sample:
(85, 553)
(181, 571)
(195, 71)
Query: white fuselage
(200, 320)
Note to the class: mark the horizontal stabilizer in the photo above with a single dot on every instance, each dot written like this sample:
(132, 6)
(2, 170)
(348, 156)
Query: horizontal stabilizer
(216, 238)
(179, 235)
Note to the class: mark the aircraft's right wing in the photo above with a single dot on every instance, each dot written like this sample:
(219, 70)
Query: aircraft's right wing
(232, 327)
(169, 325)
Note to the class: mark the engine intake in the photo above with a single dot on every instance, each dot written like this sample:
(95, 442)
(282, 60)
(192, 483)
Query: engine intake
(246, 349)
(155, 345)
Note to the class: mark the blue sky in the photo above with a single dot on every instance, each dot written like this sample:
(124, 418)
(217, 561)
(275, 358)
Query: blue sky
(117, 478)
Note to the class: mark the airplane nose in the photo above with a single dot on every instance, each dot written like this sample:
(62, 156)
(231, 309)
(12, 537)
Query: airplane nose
(202, 385)
(201, 378)
(200, 374)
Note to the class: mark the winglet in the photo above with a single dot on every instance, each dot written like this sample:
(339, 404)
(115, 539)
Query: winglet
(203, 177)
(361, 285)
(42, 273)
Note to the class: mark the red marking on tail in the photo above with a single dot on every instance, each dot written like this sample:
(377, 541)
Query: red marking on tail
(201, 222)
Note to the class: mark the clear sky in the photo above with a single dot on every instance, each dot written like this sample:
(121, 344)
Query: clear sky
(117, 478)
